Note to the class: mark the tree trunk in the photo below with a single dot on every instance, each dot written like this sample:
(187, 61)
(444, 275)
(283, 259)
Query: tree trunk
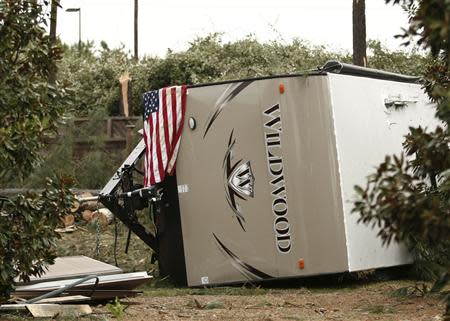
(359, 33)
(136, 29)
(52, 38)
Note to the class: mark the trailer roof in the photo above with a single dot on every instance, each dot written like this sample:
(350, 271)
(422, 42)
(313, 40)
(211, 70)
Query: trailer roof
(332, 66)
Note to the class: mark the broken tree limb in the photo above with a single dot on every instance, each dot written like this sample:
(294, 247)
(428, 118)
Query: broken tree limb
(87, 199)
(88, 202)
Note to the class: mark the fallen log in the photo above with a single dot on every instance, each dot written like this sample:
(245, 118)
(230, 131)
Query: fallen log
(103, 215)
(75, 206)
(68, 220)
(87, 215)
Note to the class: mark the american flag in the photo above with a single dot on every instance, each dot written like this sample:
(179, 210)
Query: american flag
(164, 111)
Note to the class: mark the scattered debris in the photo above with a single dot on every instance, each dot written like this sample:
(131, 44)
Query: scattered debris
(290, 304)
(87, 215)
(194, 303)
(320, 311)
(86, 208)
(68, 220)
(74, 279)
(91, 205)
(66, 299)
(213, 305)
(97, 295)
(68, 229)
(124, 281)
(52, 310)
(69, 267)
(104, 215)
(49, 310)
(75, 206)
(13, 307)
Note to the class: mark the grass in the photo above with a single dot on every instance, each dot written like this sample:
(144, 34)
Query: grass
(84, 242)
(26, 316)
(301, 318)
(378, 309)
(156, 291)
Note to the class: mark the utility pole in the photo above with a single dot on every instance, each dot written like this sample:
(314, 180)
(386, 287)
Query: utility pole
(52, 38)
(79, 26)
(359, 33)
(136, 30)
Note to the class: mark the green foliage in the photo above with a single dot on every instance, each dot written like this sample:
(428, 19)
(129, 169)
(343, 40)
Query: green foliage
(30, 110)
(27, 233)
(30, 107)
(208, 60)
(404, 207)
(408, 197)
(411, 62)
(402, 203)
(92, 169)
(416, 290)
(429, 24)
(214, 305)
(94, 74)
(117, 309)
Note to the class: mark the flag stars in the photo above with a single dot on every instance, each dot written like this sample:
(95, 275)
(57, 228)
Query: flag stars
(151, 103)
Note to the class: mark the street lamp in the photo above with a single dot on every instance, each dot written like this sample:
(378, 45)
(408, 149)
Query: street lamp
(79, 25)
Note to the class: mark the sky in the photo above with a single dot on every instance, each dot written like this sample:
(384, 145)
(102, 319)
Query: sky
(174, 23)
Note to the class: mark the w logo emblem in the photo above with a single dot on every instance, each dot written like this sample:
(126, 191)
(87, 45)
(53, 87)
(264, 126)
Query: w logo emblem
(239, 181)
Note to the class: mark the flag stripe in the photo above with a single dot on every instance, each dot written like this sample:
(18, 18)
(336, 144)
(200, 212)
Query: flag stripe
(155, 142)
(170, 117)
(173, 109)
(175, 102)
(163, 116)
(167, 136)
(181, 98)
(150, 143)
(163, 144)
(146, 172)
(159, 169)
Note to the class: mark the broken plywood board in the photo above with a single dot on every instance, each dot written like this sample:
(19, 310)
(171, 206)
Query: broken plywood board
(65, 299)
(13, 307)
(49, 310)
(94, 295)
(52, 310)
(124, 281)
(69, 267)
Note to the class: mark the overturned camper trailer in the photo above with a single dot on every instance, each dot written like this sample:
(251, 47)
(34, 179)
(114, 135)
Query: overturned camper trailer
(265, 176)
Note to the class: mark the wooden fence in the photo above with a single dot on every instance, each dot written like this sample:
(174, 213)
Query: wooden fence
(117, 134)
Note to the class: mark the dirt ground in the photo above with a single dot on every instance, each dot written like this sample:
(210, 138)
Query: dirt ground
(333, 299)
(364, 302)
(347, 302)
(360, 300)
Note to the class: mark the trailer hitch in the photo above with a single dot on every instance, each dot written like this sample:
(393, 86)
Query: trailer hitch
(122, 197)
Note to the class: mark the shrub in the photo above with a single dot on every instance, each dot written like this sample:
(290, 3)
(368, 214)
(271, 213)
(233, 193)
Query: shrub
(27, 233)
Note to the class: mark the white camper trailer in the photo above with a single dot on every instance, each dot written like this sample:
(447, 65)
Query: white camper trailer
(266, 171)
